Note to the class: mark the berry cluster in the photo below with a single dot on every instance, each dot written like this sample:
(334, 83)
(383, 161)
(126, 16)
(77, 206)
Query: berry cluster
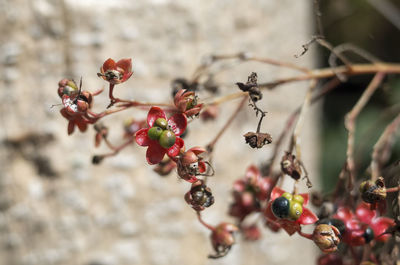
(255, 193)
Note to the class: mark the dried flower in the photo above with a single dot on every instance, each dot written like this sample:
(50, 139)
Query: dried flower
(199, 196)
(257, 140)
(222, 239)
(291, 166)
(251, 87)
(373, 192)
(190, 164)
(116, 72)
(186, 102)
(101, 133)
(326, 237)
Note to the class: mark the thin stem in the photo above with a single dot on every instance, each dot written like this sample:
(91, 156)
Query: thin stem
(211, 145)
(208, 226)
(350, 124)
(383, 146)
(115, 149)
(305, 235)
(329, 86)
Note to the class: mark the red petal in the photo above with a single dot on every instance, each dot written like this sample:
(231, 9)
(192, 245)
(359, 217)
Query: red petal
(154, 114)
(109, 65)
(307, 217)
(125, 64)
(178, 123)
(269, 214)
(142, 138)
(174, 150)
(71, 127)
(126, 76)
(252, 172)
(354, 237)
(197, 150)
(364, 213)
(82, 125)
(380, 225)
(178, 96)
(276, 192)
(155, 153)
(305, 197)
(344, 214)
(202, 167)
(193, 111)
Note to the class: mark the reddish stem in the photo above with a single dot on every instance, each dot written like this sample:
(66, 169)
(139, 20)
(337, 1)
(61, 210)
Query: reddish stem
(305, 235)
(210, 227)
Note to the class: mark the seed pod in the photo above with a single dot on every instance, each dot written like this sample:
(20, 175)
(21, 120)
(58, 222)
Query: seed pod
(373, 192)
(326, 237)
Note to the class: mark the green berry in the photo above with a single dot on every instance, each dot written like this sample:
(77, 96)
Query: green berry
(160, 122)
(288, 196)
(167, 139)
(155, 132)
(295, 210)
(299, 199)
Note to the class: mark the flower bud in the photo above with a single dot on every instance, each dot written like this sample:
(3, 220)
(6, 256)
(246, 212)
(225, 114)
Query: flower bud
(326, 237)
(222, 239)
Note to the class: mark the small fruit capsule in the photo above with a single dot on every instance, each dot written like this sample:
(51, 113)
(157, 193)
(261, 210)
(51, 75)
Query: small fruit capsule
(287, 195)
(299, 199)
(167, 139)
(368, 235)
(280, 207)
(339, 224)
(155, 132)
(295, 210)
(162, 123)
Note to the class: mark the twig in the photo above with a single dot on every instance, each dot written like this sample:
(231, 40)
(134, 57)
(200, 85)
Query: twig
(350, 124)
(211, 145)
(382, 148)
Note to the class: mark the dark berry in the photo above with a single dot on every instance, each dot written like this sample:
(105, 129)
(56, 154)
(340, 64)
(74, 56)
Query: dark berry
(368, 235)
(280, 207)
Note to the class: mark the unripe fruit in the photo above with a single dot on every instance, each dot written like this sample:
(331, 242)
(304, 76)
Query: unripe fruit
(295, 210)
(167, 139)
(280, 207)
(299, 199)
(162, 123)
(288, 196)
(155, 132)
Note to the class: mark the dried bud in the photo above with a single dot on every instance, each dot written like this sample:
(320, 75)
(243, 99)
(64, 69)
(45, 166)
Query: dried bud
(257, 140)
(222, 239)
(326, 237)
(291, 166)
(67, 87)
(97, 159)
(199, 196)
(373, 192)
(251, 87)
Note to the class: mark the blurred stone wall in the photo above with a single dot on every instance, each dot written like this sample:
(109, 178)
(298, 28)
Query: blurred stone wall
(58, 208)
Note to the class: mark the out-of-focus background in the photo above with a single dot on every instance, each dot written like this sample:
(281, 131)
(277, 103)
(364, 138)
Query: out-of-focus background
(58, 208)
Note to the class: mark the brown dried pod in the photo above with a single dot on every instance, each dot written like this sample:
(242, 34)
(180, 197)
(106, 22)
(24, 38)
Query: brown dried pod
(257, 140)
(199, 196)
(291, 166)
(373, 192)
(251, 87)
(222, 239)
(326, 237)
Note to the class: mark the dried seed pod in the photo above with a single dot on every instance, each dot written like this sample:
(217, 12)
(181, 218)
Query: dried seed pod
(291, 166)
(373, 192)
(222, 239)
(257, 140)
(326, 237)
(199, 196)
